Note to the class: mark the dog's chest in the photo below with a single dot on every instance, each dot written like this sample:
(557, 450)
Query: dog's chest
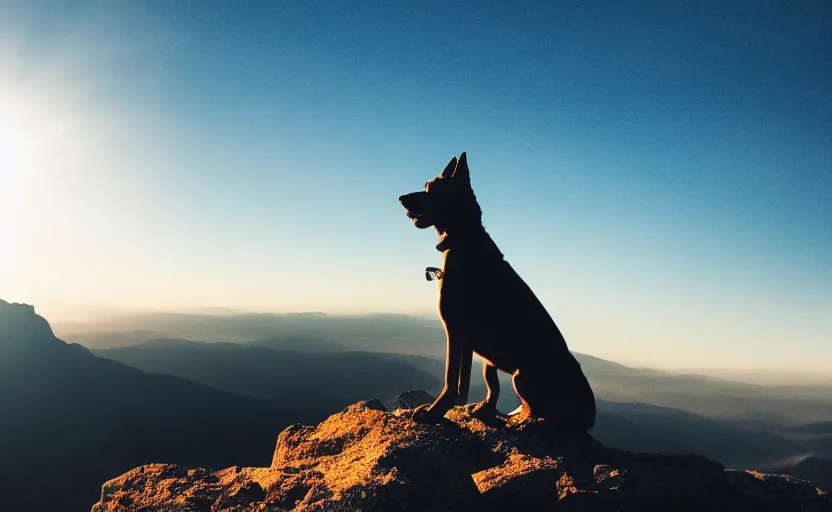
(453, 305)
(467, 296)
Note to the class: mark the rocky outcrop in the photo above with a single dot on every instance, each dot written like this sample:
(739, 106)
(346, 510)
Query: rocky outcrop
(23, 332)
(365, 458)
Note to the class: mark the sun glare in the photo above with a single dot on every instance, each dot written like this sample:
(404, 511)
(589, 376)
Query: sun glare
(39, 152)
(36, 137)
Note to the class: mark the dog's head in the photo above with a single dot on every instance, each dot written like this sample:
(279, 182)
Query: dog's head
(448, 199)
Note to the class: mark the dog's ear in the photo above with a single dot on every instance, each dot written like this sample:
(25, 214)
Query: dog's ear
(449, 169)
(461, 172)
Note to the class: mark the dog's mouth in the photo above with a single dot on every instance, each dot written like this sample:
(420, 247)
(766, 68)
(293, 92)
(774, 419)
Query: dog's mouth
(420, 220)
(414, 208)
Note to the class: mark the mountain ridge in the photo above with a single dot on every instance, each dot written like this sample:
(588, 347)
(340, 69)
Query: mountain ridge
(71, 419)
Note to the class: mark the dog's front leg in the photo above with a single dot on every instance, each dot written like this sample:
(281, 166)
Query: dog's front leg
(466, 360)
(448, 396)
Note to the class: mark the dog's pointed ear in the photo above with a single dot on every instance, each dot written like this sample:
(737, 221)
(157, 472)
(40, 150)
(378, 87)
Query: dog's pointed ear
(461, 172)
(449, 169)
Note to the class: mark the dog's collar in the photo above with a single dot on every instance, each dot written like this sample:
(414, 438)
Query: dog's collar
(446, 242)
(434, 274)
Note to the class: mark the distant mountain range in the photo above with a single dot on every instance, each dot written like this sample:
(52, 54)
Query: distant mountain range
(305, 331)
(744, 425)
(270, 373)
(76, 418)
(328, 379)
(716, 398)
(708, 396)
(71, 420)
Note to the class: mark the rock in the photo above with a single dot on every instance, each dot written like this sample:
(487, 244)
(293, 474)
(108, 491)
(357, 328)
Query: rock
(413, 399)
(374, 404)
(371, 460)
(378, 461)
(163, 487)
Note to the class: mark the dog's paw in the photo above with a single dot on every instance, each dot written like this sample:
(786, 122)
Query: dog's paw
(425, 415)
(483, 410)
(521, 416)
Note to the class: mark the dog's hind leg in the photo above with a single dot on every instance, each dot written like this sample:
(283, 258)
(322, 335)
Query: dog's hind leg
(488, 407)
(525, 389)
(516, 411)
(563, 399)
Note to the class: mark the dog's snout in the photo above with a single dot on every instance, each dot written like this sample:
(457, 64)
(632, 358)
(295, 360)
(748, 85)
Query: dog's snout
(413, 201)
(408, 199)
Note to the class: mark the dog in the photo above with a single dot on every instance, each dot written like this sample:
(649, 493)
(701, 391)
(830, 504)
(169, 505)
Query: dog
(486, 308)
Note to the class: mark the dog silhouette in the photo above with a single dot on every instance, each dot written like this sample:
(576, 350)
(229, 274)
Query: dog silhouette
(487, 309)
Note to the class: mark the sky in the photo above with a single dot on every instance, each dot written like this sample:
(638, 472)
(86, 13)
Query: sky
(659, 172)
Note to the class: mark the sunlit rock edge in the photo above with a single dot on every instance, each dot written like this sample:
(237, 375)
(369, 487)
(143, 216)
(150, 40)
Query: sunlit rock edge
(365, 458)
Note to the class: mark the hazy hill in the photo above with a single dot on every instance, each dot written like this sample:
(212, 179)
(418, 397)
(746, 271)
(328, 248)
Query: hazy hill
(316, 332)
(71, 420)
(814, 469)
(708, 396)
(330, 380)
(312, 331)
(648, 428)
(818, 428)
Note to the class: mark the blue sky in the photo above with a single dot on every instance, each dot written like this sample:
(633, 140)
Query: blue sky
(660, 173)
